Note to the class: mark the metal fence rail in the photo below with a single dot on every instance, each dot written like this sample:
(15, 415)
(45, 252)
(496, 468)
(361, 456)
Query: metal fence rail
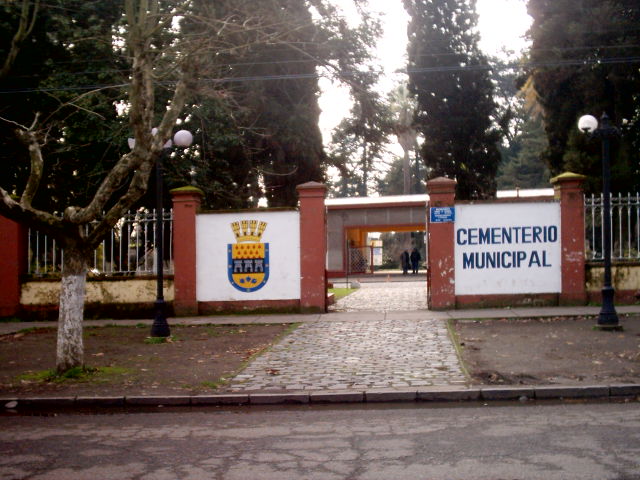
(129, 249)
(625, 227)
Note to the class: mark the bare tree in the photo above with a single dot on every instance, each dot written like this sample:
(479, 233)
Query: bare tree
(81, 228)
(163, 57)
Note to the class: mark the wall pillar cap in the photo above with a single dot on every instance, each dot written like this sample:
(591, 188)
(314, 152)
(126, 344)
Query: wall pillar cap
(312, 189)
(441, 180)
(441, 185)
(567, 177)
(186, 191)
(311, 185)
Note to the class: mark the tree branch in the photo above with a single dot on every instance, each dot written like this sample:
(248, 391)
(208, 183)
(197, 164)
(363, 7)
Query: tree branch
(29, 140)
(29, 216)
(27, 21)
(137, 188)
(147, 147)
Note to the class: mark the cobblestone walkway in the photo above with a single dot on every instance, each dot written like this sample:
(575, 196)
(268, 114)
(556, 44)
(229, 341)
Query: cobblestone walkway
(384, 297)
(356, 354)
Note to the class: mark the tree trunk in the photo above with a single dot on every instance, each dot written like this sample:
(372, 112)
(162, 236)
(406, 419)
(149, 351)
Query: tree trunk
(406, 173)
(406, 139)
(70, 349)
(364, 165)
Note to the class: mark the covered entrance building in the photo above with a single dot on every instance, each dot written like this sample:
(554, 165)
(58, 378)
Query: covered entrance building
(349, 220)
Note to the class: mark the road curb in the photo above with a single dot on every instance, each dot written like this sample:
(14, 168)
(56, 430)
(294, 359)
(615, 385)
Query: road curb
(432, 394)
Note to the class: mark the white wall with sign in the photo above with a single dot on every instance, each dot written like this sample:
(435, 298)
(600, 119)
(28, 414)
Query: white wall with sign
(511, 248)
(248, 256)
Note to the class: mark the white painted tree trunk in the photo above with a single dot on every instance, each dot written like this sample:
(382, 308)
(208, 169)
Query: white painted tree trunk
(70, 347)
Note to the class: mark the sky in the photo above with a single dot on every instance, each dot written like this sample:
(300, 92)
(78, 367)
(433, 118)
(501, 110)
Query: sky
(502, 24)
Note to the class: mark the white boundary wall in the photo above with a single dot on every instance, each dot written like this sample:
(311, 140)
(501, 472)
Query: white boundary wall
(214, 234)
(511, 248)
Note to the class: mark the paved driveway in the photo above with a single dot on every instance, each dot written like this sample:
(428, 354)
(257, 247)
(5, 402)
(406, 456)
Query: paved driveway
(385, 297)
(357, 354)
(370, 343)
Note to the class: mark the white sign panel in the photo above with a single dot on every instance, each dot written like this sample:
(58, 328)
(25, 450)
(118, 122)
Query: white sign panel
(248, 256)
(510, 248)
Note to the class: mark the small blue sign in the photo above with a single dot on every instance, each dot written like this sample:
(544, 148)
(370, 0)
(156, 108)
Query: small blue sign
(442, 214)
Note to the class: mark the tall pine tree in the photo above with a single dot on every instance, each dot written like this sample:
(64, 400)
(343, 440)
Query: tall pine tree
(450, 78)
(358, 143)
(584, 56)
(268, 140)
(521, 166)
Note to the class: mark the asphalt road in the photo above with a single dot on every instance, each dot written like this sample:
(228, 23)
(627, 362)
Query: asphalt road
(403, 441)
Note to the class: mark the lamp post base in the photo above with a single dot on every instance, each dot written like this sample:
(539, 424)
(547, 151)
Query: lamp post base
(608, 318)
(160, 327)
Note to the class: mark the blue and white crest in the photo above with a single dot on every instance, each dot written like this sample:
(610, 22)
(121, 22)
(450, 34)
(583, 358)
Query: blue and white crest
(248, 259)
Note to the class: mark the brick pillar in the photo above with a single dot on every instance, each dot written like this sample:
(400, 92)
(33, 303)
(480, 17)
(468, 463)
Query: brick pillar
(186, 203)
(440, 254)
(568, 189)
(13, 262)
(313, 247)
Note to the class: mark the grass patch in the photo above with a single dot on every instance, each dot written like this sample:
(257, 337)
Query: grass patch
(289, 330)
(214, 331)
(214, 385)
(25, 331)
(10, 320)
(75, 374)
(341, 292)
(158, 340)
(455, 339)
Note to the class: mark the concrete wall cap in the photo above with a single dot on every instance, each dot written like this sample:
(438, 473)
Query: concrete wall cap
(441, 181)
(568, 177)
(312, 185)
(187, 190)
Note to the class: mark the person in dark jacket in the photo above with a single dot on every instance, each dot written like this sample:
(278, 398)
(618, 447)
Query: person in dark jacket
(404, 261)
(415, 260)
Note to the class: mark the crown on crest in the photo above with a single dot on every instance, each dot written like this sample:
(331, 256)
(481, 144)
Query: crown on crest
(248, 230)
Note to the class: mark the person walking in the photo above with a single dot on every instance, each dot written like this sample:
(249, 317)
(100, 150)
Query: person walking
(404, 261)
(415, 260)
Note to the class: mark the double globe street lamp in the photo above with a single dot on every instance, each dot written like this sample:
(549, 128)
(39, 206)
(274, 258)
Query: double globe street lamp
(608, 318)
(183, 139)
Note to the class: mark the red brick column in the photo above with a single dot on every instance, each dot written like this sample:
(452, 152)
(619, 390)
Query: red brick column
(568, 188)
(13, 262)
(186, 203)
(440, 254)
(313, 247)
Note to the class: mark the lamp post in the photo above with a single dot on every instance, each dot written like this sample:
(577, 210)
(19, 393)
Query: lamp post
(160, 327)
(608, 318)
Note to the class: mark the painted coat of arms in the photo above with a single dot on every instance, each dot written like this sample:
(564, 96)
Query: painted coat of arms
(248, 259)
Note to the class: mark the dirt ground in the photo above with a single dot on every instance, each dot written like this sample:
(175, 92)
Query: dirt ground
(503, 351)
(538, 351)
(194, 362)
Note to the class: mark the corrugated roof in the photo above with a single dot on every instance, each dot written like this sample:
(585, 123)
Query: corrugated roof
(423, 197)
(347, 201)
